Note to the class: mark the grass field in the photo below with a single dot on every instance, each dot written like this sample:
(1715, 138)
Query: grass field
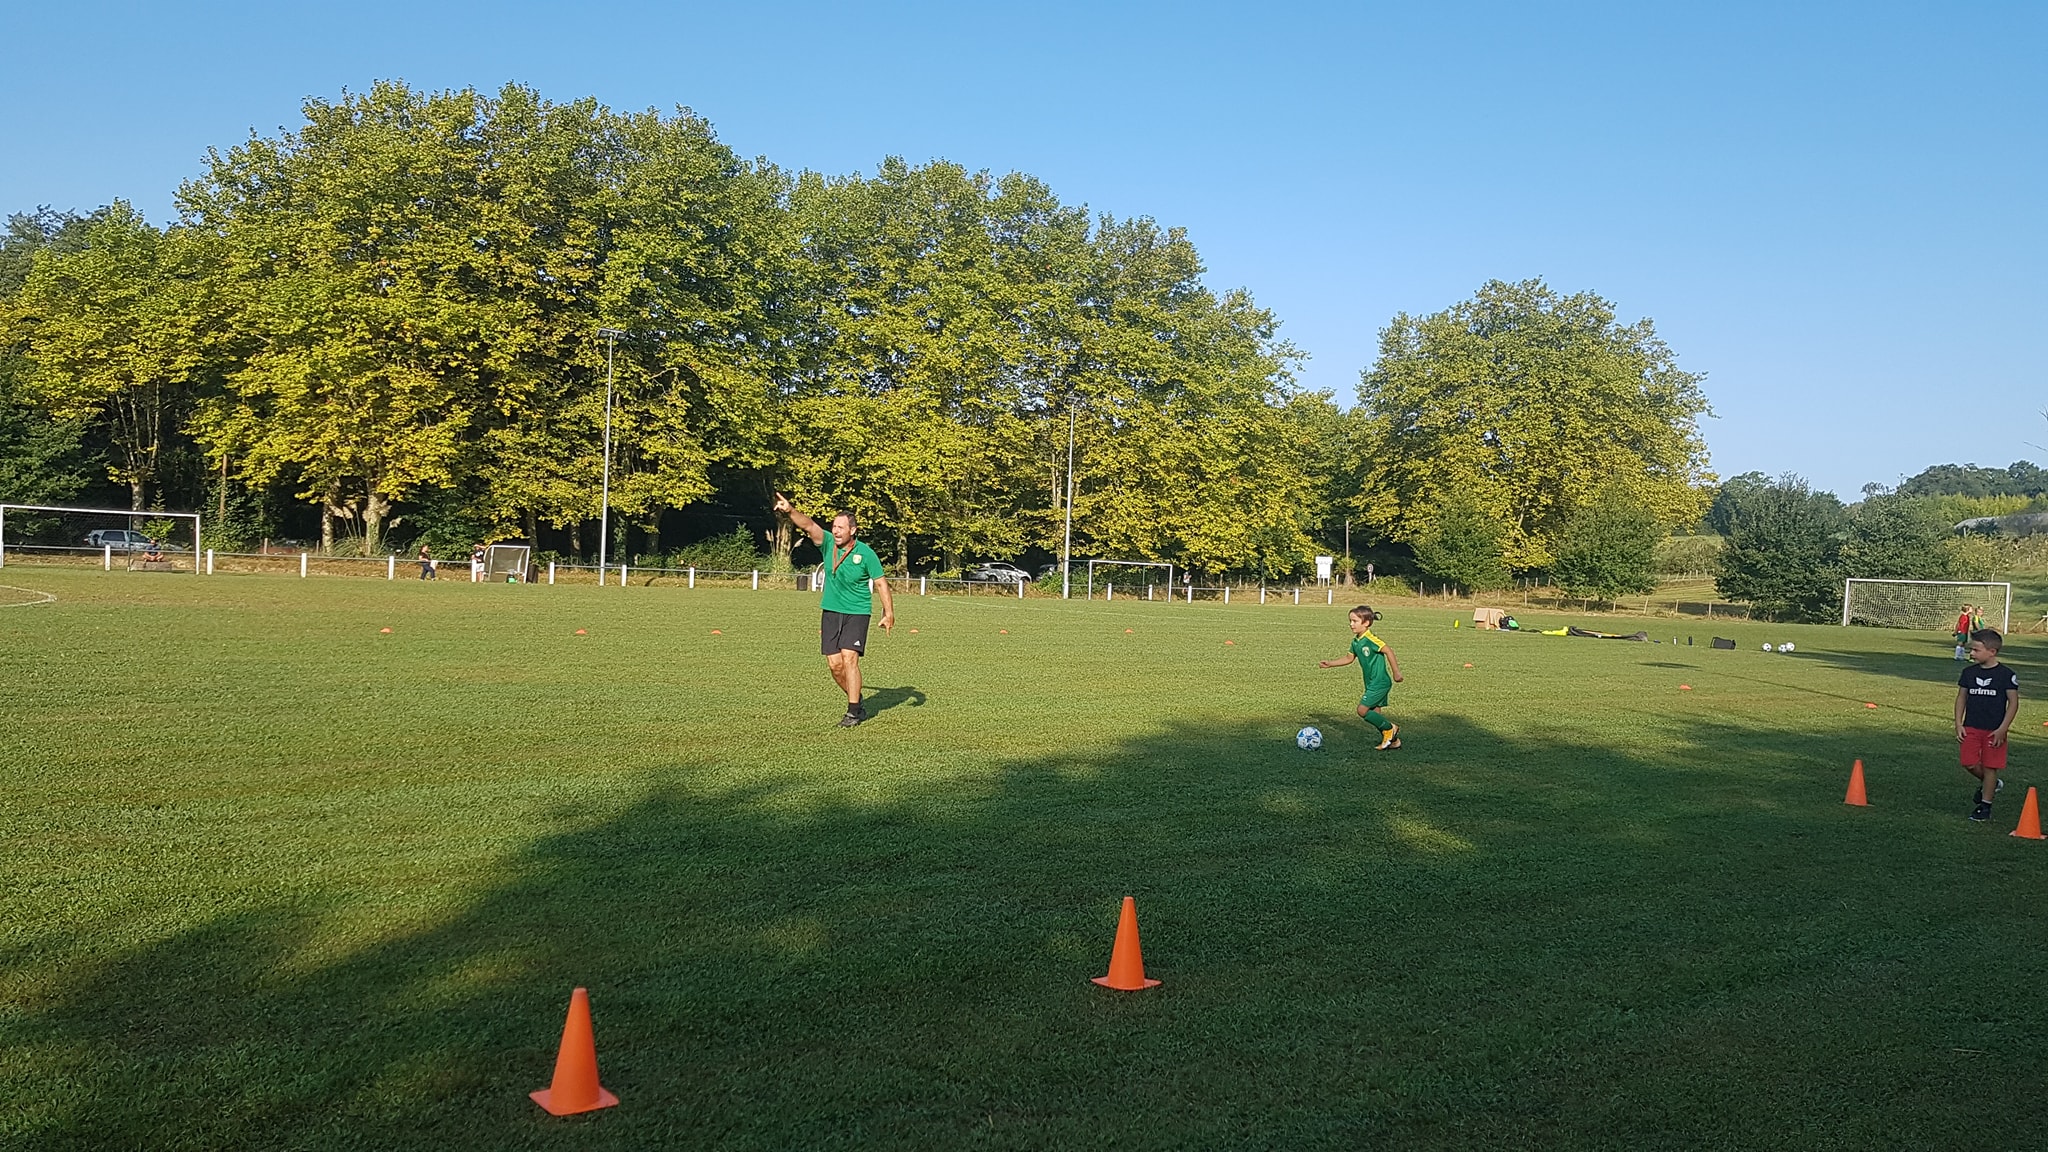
(276, 879)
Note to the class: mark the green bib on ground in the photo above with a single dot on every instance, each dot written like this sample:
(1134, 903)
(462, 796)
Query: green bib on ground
(846, 584)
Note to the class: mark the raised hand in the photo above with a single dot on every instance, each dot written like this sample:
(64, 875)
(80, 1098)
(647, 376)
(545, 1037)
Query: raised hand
(783, 505)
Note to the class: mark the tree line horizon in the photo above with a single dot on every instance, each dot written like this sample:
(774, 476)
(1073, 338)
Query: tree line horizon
(388, 316)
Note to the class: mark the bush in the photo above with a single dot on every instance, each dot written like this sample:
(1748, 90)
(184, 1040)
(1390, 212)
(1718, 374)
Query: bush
(1783, 552)
(1687, 555)
(1464, 548)
(733, 552)
(1609, 548)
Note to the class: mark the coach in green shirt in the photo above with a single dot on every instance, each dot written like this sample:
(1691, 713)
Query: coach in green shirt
(851, 569)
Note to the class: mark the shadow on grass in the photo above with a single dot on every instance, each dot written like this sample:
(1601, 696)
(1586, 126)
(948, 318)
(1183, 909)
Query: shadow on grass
(1485, 940)
(883, 699)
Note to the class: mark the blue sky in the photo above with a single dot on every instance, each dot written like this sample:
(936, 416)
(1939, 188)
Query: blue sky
(1835, 211)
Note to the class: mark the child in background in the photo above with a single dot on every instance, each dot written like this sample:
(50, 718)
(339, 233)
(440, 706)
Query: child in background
(1987, 701)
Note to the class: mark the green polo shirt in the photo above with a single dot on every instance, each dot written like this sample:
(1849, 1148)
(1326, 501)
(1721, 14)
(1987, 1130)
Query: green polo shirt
(846, 581)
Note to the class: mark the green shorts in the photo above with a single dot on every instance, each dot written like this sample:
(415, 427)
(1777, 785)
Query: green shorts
(1375, 697)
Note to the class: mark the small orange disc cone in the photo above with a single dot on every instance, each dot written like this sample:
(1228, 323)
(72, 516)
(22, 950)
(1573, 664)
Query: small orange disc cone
(385, 631)
(583, 632)
(575, 1088)
(1855, 795)
(2030, 817)
(1126, 962)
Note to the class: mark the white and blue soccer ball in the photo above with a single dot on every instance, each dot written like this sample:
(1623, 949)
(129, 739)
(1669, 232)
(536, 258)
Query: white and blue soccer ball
(1308, 739)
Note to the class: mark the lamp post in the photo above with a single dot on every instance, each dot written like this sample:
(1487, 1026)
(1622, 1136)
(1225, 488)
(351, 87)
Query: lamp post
(604, 508)
(1067, 549)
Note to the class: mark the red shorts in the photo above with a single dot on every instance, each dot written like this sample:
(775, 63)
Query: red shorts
(1978, 752)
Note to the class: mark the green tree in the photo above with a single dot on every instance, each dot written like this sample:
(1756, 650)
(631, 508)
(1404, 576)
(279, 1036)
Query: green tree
(1896, 538)
(1609, 548)
(113, 327)
(1524, 400)
(1783, 552)
(1462, 546)
(1720, 516)
(42, 457)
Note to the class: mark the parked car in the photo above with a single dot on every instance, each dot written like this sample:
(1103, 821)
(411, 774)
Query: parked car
(998, 573)
(119, 539)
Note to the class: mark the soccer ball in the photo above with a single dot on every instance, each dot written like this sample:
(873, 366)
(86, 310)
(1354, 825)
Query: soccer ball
(1785, 647)
(1768, 648)
(1308, 739)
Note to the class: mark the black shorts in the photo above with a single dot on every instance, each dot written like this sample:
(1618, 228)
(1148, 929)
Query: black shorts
(841, 631)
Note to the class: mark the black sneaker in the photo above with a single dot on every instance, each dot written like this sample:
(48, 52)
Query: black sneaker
(1982, 811)
(854, 715)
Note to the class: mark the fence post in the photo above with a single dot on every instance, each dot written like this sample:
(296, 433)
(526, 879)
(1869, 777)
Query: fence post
(1297, 594)
(757, 579)
(107, 556)
(1191, 591)
(920, 585)
(1226, 593)
(302, 565)
(1330, 597)
(391, 567)
(693, 575)
(1108, 593)
(209, 561)
(622, 575)
(551, 571)
(1020, 589)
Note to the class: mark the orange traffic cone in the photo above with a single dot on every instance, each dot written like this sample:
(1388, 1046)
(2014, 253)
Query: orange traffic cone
(1855, 795)
(1126, 962)
(575, 1088)
(2030, 818)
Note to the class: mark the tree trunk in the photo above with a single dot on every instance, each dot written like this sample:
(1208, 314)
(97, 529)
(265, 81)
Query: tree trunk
(782, 542)
(576, 539)
(532, 530)
(375, 509)
(330, 507)
(138, 491)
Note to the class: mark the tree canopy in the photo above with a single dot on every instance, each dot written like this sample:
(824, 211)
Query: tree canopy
(1526, 401)
(385, 319)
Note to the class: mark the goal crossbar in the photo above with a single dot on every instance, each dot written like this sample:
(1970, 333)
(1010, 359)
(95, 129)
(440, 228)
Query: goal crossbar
(128, 513)
(1995, 587)
(1130, 564)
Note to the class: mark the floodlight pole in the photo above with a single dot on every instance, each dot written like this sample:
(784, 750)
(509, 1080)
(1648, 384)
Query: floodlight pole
(604, 508)
(1067, 549)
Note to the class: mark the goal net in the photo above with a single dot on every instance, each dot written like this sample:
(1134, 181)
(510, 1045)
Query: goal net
(1929, 605)
(506, 561)
(32, 534)
(1136, 578)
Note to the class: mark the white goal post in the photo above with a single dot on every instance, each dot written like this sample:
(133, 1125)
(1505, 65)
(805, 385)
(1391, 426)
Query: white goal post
(107, 535)
(1129, 564)
(1927, 604)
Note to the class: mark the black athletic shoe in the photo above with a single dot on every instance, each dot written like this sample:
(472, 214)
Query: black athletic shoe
(1982, 811)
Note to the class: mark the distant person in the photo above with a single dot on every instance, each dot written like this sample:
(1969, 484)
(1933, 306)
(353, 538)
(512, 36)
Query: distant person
(155, 554)
(1987, 702)
(476, 565)
(1381, 671)
(850, 567)
(1964, 626)
(1368, 571)
(427, 567)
